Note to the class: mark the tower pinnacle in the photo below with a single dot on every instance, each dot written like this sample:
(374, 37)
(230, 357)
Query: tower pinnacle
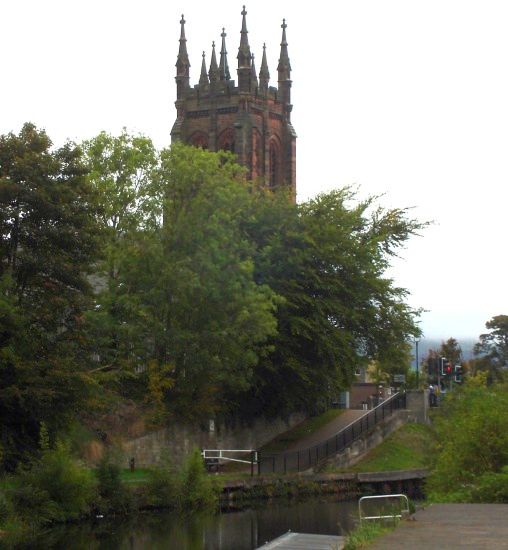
(244, 57)
(284, 67)
(223, 64)
(213, 73)
(264, 74)
(182, 63)
(203, 78)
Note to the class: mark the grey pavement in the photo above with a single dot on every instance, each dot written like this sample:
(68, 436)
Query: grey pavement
(303, 541)
(450, 526)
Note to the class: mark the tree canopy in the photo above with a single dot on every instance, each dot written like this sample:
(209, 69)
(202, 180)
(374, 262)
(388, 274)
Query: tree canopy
(492, 350)
(166, 278)
(49, 243)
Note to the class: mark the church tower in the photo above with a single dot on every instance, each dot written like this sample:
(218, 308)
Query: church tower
(249, 118)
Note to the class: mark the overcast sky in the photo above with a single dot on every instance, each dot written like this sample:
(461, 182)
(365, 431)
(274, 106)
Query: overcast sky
(404, 98)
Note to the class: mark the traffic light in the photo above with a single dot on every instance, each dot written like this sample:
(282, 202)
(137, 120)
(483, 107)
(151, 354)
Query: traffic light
(459, 373)
(446, 367)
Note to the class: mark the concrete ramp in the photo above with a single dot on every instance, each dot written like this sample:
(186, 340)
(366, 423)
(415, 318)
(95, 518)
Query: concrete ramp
(303, 541)
(328, 430)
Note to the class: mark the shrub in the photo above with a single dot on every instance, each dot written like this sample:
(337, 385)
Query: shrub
(55, 488)
(196, 489)
(491, 487)
(113, 496)
(473, 436)
(163, 486)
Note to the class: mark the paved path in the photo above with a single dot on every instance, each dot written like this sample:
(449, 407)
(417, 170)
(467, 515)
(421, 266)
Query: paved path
(302, 541)
(451, 526)
(328, 430)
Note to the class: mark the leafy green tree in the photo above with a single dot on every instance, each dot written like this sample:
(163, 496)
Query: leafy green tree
(452, 351)
(234, 298)
(48, 245)
(326, 259)
(384, 369)
(491, 352)
(122, 170)
(184, 300)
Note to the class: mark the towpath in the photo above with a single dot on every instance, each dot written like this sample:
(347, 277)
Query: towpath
(450, 527)
(327, 431)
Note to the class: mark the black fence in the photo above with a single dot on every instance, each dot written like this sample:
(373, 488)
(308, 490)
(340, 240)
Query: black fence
(297, 461)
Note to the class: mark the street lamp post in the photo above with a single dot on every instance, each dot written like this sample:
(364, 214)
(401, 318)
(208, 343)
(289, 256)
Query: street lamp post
(417, 364)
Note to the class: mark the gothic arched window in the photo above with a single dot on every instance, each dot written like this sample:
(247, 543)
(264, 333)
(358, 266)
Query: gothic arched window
(199, 139)
(274, 164)
(226, 141)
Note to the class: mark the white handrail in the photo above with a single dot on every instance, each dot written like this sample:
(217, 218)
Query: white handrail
(254, 455)
(399, 496)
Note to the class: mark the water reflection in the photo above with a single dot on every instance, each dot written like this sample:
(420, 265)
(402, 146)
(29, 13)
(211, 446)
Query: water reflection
(238, 530)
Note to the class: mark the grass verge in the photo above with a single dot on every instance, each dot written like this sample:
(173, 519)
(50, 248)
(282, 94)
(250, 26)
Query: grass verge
(410, 447)
(366, 533)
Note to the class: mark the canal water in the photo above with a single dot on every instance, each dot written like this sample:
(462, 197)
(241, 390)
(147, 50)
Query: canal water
(229, 530)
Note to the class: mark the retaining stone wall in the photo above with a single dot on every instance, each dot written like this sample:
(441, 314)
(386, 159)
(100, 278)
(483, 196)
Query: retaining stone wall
(178, 440)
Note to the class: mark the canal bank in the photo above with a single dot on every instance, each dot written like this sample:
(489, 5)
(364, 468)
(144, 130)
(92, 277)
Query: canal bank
(344, 485)
(450, 526)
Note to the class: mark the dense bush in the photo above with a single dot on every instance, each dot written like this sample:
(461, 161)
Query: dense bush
(491, 487)
(196, 489)
(64, 488)
(472, 429)
(111, 491)
(163, 485)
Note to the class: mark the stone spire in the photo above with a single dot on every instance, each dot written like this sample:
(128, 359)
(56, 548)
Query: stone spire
(253, 75)
(284, 67)
(264, 75)
(244, 57)
(213, 73)
(203, 78)
(182, 63)
(284, 71)
(223, 64)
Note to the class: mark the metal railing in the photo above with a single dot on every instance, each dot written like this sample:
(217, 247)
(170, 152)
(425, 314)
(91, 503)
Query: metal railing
(214, 457)
(297, 461)
(397, 511)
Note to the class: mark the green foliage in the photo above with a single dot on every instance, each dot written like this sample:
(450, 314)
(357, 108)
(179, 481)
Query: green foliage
(218, 288)
(212, 296)
(122, 170)
(365, 534)
(491, 487)
(326, 258)
(163, 485)
(491, 352)
(196, 488)
(452, 351)
(48, 244)
(381, 371)
(473, 436)
(55, 488)
(410, 447)
(112, 493)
